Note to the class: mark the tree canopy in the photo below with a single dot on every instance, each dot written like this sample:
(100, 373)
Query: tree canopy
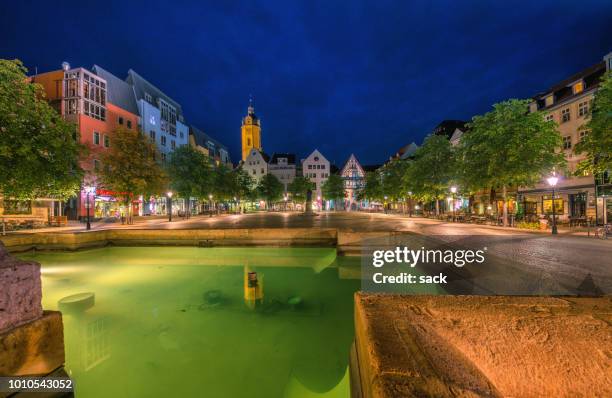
(299, 188)
(190, 172)
(270, 188)
(39, 151)
(333, 188)
(509, 146)
(129, 167)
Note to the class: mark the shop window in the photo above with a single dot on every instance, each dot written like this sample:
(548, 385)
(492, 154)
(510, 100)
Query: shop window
(96, 138)
(547, 206)
(565, 115)
(17, 206)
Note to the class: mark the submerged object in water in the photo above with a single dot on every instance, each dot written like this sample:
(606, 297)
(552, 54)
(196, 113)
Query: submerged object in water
(77, 302)
(295, 302)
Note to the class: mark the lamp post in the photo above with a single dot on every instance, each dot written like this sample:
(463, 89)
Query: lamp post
(552, 181)
(235, 205)
(285, 199)
(169, 194)
(409, 203)
(88, 190)
(385, 204)
(453, 190)
(210, 204)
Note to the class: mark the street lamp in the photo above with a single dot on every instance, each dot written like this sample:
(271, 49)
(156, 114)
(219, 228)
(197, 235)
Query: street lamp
(88, 190)
(210, 204)
(552, 181)
(409, 203)
(169, 194)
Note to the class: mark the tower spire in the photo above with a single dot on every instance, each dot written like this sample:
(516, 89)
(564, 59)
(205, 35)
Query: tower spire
(251, 107)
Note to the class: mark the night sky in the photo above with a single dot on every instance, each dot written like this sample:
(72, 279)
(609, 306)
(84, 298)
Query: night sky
(341, 76)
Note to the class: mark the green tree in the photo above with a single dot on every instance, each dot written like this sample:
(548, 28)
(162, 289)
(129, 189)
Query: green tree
(597, 144)
(247, 189)
(333, 189)
(190, 173)
(373, 187)
(270, 189)
(509, 147)
(299, 188)
(130, 167)
(432, 170)
(39, 151)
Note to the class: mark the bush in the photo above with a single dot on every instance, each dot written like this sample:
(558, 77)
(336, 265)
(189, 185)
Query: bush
(528, 225)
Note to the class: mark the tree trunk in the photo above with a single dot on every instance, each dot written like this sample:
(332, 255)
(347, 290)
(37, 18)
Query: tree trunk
(504, 194)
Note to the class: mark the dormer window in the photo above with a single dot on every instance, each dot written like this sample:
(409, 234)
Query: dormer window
(578, 87)
(548, 101)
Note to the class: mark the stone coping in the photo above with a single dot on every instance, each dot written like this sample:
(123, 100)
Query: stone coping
(482, 346)
(348, 242)
(33, 349)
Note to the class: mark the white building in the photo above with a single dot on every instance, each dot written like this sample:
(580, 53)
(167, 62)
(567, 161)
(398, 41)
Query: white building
(316, 168)
(282, 166)
(256, 164)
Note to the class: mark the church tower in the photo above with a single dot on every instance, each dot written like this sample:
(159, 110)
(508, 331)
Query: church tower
(251, 131)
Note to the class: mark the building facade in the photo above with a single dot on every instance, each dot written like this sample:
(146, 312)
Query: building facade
(256, 164)
(567, 104)
(353, 175)
(218, 153)
(96, 104)
(282, 166)
(250, 132)
(317, 169)
(161, 118)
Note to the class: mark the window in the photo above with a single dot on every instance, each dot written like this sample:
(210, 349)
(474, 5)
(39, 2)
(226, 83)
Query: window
(17, 206)
(548, 101)
(181, 134)
(106, 141)
(322, 167)
(172, 144)
(96, 138)
(248, 142)
(567, 142)
(578, 87)
(148, 98)
(163, 157)
(96, 164)
(262, 171)
(129, 124)
(120, 120)
(163, 140)
(582, 135)
(152, 134)
(565, 115)
(549, 117)
(254, 171)
(309, 167)
(583, 108)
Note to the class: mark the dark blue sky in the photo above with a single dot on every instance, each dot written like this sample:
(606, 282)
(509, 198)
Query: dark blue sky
(342, 76)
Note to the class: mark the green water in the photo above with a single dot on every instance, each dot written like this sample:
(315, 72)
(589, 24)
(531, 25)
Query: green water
(153, 331)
